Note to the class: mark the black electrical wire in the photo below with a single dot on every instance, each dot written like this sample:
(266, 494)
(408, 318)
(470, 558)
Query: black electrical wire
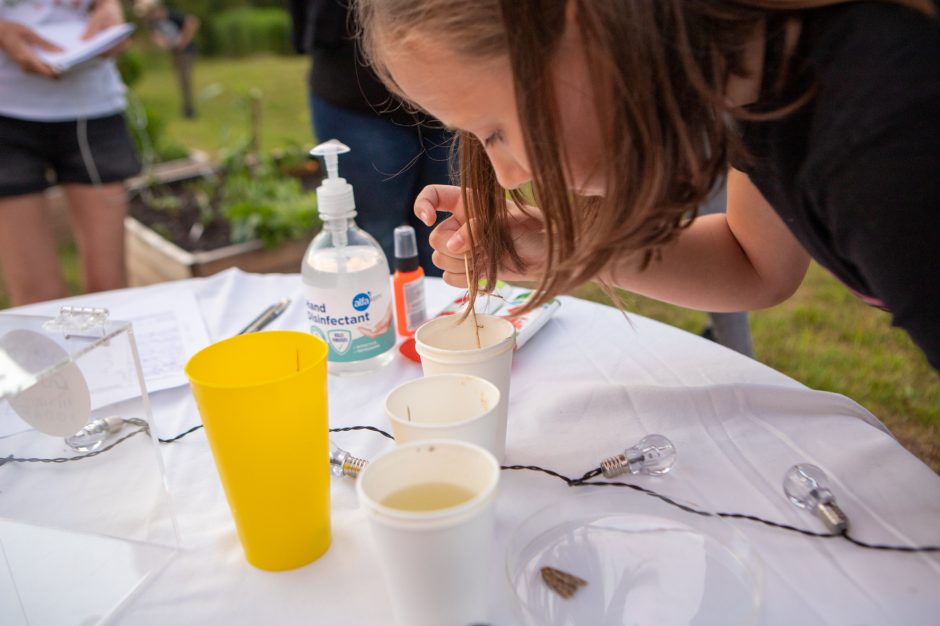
(181, 435)
(572, 482)
(332, 430)
(878, 546)
(79, 457)
(584, 481)
(690, 509)
(66, 459)
(372, 428)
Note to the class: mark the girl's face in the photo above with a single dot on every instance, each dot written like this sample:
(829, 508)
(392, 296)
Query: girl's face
(478, 97)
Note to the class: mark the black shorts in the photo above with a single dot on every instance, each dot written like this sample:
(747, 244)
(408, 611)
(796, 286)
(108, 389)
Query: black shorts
(35, 155)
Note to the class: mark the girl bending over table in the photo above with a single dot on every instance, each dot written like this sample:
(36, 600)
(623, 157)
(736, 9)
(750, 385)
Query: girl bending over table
(622, 114)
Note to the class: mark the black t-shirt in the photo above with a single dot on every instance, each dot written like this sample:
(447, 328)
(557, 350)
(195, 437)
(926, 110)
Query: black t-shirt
(855, 173)
(338, 74)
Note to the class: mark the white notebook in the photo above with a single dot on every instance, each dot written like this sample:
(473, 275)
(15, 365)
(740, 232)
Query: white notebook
(75, 52)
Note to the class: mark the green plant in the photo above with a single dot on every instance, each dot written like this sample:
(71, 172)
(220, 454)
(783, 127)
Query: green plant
(252, 197)
(208, 10)
(131, 67)
(244, 31)
(163, 231)
(148, 129)
(294, 159)
(166, 202)
(261, 203)
(205, 193)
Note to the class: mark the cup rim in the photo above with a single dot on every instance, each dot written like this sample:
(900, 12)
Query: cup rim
(437, 516)
(202, 382)
(499, 347)
(431, 427)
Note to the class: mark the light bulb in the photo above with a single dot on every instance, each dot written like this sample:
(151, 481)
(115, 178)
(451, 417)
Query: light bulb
(343, 463)
(807, 487)
(93, 435)
(654, 455)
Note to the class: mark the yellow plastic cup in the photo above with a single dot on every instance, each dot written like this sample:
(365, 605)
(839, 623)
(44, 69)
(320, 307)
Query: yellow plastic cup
(262, 398)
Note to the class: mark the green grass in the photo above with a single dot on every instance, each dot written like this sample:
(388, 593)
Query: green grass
(823, 336)
(222, 88)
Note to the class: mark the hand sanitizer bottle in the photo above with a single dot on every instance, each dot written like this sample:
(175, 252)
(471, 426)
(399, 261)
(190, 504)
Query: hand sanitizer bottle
(346, 279)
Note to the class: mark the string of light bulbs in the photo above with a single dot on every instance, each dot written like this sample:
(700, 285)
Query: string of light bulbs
(805, 485)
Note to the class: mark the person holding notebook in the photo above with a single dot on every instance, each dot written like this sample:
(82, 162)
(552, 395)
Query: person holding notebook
(70, 126)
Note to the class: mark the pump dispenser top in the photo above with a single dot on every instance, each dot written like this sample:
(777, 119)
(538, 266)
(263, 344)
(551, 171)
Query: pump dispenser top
(334, 195)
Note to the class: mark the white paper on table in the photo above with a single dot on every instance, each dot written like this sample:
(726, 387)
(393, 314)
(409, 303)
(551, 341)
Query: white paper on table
(167, 331)
(75, 51)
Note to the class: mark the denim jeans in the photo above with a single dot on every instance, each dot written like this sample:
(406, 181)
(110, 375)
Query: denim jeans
(388, 166)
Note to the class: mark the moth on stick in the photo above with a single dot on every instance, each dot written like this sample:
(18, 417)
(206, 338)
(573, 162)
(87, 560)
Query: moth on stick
(562, 583)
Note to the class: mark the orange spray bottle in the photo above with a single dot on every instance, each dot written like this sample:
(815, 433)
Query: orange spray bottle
(408, 282)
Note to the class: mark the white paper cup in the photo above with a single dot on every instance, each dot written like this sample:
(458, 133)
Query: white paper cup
(435, 562)
(448, 406)
(448, 346)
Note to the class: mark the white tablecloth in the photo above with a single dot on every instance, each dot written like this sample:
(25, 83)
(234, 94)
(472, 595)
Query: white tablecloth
(587, 385)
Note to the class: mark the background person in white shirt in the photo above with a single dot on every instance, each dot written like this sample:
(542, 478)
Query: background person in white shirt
(71, 126)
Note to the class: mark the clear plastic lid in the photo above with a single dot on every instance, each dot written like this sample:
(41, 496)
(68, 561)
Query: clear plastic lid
(637, 560)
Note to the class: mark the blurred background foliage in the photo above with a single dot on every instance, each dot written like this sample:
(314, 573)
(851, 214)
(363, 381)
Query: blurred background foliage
(239, 27)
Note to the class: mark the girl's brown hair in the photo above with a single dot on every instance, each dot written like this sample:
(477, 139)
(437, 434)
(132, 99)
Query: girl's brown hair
(658, 69)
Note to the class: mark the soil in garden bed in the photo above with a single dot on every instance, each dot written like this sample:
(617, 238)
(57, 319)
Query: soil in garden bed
(180, 223)
(176, 211)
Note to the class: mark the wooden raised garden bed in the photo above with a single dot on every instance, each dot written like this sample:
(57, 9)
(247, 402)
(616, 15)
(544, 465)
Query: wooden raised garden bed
(154, 256)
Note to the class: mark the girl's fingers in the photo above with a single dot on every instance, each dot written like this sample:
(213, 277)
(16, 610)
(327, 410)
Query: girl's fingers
(434, 198)
(447, 262)
(443, 233)
(425, 211)
(456, 280)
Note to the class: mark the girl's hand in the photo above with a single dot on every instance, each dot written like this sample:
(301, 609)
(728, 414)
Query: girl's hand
(105, 14)
(18, 42)
(449, 239)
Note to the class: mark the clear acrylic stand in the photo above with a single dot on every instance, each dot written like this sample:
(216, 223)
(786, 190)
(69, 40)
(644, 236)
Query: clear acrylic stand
(86, 519)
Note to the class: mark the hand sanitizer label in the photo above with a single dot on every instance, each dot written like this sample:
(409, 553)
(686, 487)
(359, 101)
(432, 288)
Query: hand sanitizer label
(356, 324)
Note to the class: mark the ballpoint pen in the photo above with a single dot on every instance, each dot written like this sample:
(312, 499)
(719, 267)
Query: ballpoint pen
(266, 317)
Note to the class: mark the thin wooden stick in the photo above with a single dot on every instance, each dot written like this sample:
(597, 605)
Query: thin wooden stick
(470, 303)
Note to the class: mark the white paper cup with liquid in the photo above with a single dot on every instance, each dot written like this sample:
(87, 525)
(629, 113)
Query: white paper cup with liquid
(447, 345)
(430, 506)
(447, 406)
